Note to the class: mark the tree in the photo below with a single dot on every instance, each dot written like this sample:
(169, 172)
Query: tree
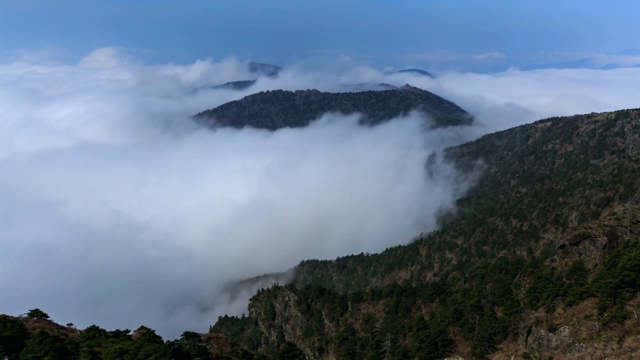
(13, 336)
(92, 340)
(290, 351)
(192, 345)
(37, 314)
(45, 346)
(146, 335)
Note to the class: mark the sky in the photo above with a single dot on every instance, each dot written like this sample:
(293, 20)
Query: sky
(471, 35)
(116, 209)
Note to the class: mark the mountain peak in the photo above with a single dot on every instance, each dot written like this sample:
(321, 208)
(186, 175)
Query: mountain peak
(281, 108)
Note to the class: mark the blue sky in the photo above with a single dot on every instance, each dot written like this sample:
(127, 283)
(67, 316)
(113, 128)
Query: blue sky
(474, 35)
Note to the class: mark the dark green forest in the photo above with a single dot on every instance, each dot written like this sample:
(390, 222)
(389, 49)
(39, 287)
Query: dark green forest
(553, 223)
(280, 108)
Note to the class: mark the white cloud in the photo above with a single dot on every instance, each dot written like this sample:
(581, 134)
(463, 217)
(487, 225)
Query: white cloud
(103, 58)
(442, 56)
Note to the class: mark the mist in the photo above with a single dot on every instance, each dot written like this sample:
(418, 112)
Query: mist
(116, 209)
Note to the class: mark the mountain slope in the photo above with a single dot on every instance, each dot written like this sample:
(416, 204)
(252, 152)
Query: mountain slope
(542, 260)
(279, 108)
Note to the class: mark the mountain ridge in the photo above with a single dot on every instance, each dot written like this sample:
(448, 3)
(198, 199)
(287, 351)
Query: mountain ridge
(281, 108)
(543, 260)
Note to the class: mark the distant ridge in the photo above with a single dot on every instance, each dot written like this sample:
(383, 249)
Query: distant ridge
(245, 84)
(279, 108)
(264, 69)
(417, 72)
(255, 68)
(236, 85)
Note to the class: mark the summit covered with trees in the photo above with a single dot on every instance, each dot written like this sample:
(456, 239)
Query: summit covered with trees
(277, 109)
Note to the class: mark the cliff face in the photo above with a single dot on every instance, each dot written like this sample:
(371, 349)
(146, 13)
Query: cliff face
(279, 108)
(280, 318)
(542, 259)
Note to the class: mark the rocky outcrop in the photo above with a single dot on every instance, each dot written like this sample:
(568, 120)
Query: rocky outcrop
(541, 341)
(280, 320)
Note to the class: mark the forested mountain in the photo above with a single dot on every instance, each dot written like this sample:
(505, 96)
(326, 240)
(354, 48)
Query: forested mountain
(280, 108)
(542, 260)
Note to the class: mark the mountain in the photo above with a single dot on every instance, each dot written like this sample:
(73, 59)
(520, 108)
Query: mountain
(608, 61)
(236, 85)
(416, 72)
(255, 68)
(264, 69)
(245, 84)
(279, 108)
(541, 260)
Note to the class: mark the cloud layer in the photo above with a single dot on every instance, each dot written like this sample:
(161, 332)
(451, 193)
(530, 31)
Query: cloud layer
(116, 209)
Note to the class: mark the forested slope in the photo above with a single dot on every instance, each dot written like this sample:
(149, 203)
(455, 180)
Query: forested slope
(541, 259)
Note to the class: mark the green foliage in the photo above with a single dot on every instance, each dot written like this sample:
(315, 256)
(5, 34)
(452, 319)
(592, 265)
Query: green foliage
(45, 346)
(192, 345)
(576, 289)
(618, 282)
(148, 336)
(289, 351)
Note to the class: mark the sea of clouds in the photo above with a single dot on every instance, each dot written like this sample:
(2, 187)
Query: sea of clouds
(117, 209)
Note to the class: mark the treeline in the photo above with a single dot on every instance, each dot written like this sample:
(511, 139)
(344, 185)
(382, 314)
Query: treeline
(35, 337)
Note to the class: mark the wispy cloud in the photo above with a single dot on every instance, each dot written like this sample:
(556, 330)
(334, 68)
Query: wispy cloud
(446, 60)
(492, 55)
(593, 60)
